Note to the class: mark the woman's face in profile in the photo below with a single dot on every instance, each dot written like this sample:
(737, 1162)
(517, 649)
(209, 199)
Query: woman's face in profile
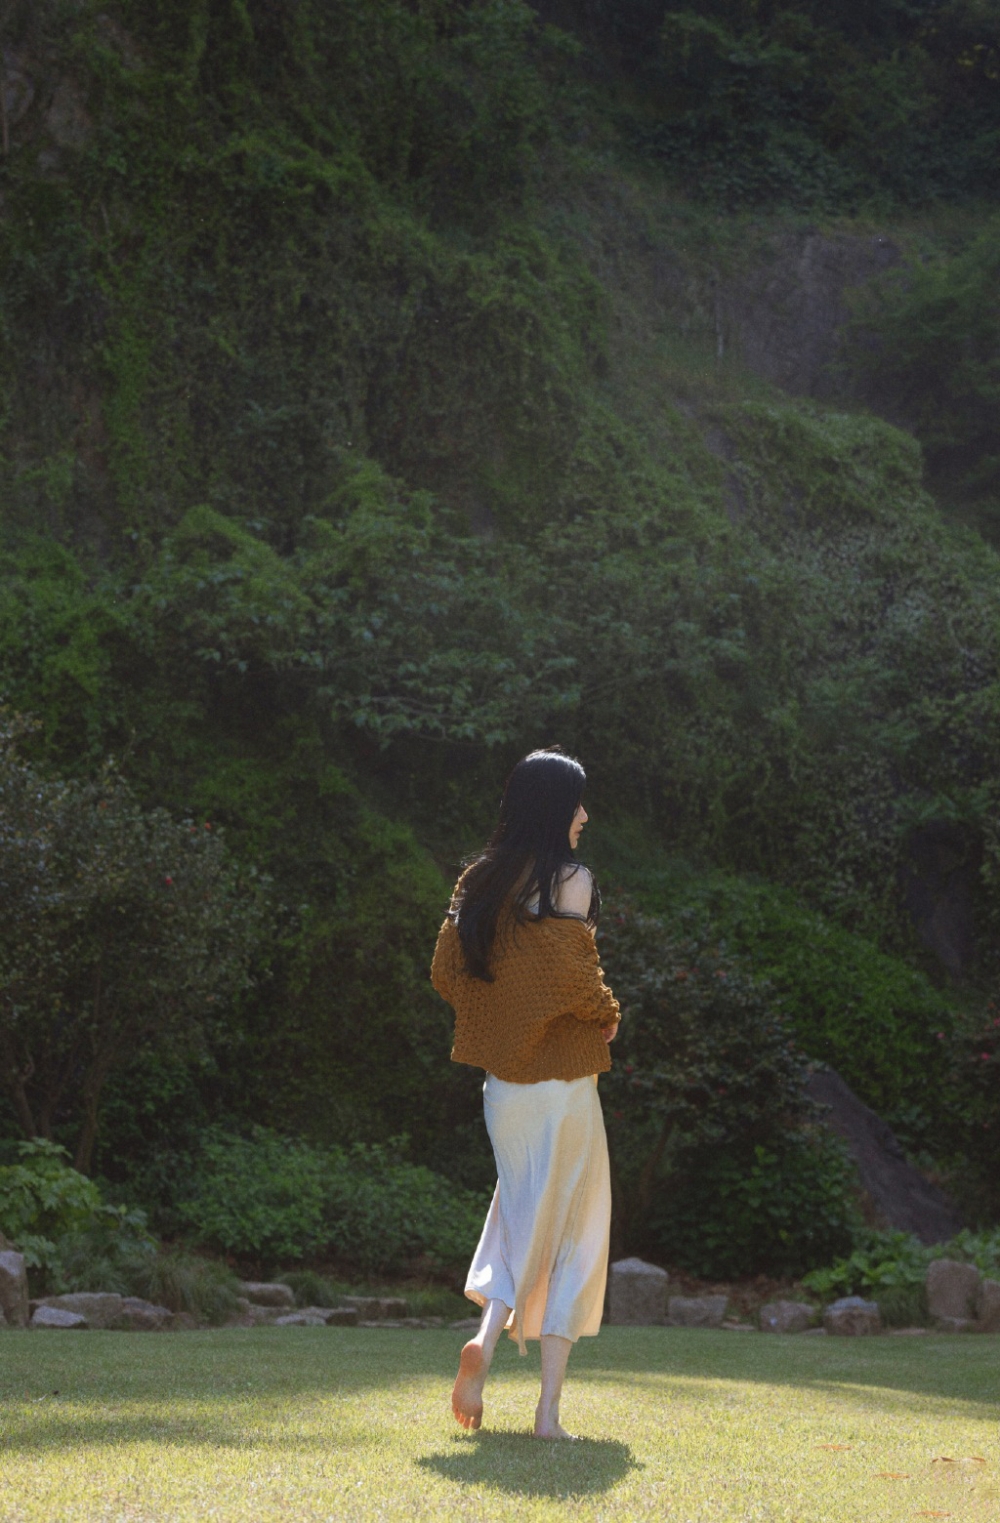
(579, 820)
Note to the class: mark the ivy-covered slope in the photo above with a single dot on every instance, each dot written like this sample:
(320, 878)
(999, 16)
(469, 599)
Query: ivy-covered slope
(342, 461)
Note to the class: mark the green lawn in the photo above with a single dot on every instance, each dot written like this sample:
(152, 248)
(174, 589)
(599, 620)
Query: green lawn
(317, 1423)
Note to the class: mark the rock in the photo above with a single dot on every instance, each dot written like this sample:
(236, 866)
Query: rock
(988, 1306)
(299, 1319)
(13, 1288)
(67, 117)
(341, 1316)
(785, 1317)
(267, 1293)
(58, 1317)
(951, 1289)
(852, 1317)
(392, 1306)
(17, 86)
(731, 1325)
(465, 1325)
(696, 1311)
(901, 1196)
(637, 1293)
(138, 1316)
(955, 1325)
(907, 1332)
(264, 1316)
(367, 1307)
(98, 1308)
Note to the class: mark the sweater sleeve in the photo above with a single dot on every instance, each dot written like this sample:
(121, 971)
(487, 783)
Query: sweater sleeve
(443, 967)
(586, 994)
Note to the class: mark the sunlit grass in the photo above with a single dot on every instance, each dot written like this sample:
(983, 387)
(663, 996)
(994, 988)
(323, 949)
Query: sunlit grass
(315, 1423)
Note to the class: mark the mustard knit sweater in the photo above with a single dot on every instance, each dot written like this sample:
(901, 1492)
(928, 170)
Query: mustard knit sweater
(542, 1015)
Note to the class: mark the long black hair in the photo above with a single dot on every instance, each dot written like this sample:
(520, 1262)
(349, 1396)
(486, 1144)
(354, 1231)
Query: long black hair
(525, 857)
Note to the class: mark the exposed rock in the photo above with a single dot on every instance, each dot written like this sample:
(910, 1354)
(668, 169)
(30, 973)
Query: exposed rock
(392, 1306)
(900, 1194)
(67, 118)
(13, 1288)
(268, 1293)
(785, 1317)
(907, 1332)
(58, 1317)
(786, 313)
(367, 1307)
(17, 86)
(955, 1325)
(731, 1325)
(951, 1289)
(988, 1306)
(852, 1317)
(98, 1308)
(465, 1325)
(139, 1316)
(300, 1319)
(637, 1293)
(696, 1311)
(342, 1316)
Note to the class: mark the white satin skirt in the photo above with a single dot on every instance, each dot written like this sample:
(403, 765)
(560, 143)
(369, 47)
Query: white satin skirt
(544, 1248)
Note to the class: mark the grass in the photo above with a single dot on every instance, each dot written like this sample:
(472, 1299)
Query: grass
(304, 1424)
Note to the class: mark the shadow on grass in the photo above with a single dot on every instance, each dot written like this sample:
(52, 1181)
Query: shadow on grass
(516, 1462)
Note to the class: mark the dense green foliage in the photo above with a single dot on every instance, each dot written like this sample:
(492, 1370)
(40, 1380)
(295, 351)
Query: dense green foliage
(271, 1201)
(811, 103)
(881, 1024)
(124, 931)
(330, 483)
(926, 339)
(718, 1163)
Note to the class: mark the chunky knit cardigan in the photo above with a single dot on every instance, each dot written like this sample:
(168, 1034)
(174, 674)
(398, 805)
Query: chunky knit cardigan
(541, 1017)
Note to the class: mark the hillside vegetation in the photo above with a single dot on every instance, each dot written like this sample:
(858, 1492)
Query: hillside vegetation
(367, 419)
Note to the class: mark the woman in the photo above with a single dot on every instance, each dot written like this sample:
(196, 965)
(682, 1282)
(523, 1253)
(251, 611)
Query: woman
(516, 957)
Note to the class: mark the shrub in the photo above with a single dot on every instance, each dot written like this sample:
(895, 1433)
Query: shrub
(784, 1212)
(717, 1160)
(269, 1199)
(867, 1014)
(891, 1267)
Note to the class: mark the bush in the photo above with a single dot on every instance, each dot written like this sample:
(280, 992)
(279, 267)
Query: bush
(269, 1199)
(718, 1163)
(784, 1213)
(891, 1267)
(50, 1211)
(867, 1014)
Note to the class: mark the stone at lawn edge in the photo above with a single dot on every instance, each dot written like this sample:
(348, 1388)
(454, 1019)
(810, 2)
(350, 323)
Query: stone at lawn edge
(299, 1319)
(367, 1307)
(637, 1293)
(392, 1306)
(988, 1306)
(951, 1289)
(852, 1317)
(14, 1288)
(341, 1316)
(57, 1317)
(98, 1308)
(139, 1316)
(955, 1325)
(696, 1311)
(785, 1317)
(268, 1293)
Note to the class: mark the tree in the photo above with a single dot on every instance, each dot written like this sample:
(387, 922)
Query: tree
(123, 930)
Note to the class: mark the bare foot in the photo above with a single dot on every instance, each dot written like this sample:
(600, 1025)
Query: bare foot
(467, 1395)
(553, 1430)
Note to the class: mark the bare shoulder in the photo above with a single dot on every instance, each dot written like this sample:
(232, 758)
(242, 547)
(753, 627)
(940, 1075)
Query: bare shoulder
(574, 890)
